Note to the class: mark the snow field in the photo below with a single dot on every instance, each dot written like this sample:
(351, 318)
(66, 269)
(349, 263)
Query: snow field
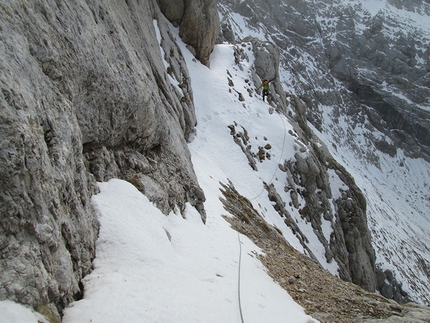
(153, 268)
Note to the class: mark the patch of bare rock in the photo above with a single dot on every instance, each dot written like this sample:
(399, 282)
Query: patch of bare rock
(325, 297)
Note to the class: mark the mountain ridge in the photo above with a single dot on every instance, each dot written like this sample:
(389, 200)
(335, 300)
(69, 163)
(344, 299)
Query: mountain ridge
(93, 92)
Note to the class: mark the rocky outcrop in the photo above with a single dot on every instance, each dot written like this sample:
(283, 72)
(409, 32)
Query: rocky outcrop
(198, 23)
(389, 287)
(352, 71)
(350, 242)
(85, 96)
(323, 296)
(266, 66)
(352, 225)
(307, 179)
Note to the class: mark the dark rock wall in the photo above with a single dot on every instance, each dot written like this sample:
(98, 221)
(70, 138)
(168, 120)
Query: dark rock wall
(85, 96)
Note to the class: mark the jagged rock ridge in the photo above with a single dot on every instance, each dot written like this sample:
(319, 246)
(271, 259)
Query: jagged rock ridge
(363, 76)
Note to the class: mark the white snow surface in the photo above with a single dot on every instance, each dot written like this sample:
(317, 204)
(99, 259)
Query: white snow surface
(153, 268)
(156, 268)
(11, 312)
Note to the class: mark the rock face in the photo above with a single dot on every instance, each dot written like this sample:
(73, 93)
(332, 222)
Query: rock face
(198, 23)
(267, 58)
(173, 10)
(307, 178)
(401, 65)
(85, 96)
(384, 65)
(354, 71)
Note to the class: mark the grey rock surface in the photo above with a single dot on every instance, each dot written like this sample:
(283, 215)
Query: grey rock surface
(307, 178)
(198, 22)
(389, 287)
(173, 10)
(85, 97)
(350, 242)
(370, 70)
(200, 27)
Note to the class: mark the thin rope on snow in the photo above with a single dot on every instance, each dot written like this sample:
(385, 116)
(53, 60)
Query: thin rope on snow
(239, 278)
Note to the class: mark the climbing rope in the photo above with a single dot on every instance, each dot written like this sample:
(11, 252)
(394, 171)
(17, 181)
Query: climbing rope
(239, 278)
(238, 234)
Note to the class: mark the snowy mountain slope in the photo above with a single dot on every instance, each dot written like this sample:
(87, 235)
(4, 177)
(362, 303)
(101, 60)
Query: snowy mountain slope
(223, 109)
(156, 268)
(261, 152)
(170, 269)
(153, 268)
(205, 288)
(217, 159)
(169, 243)
(315, 39)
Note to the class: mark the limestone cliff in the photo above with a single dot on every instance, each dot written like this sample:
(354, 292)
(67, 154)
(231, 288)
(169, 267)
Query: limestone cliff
(85, 96)
(198, 23)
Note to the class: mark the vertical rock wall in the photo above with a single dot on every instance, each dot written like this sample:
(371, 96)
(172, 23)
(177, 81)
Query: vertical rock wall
(85, 96)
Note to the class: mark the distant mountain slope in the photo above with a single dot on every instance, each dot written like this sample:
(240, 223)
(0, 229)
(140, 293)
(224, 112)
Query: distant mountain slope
(363, 70)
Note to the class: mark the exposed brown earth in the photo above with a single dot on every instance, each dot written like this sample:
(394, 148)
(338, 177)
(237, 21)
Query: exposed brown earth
(322, 295)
